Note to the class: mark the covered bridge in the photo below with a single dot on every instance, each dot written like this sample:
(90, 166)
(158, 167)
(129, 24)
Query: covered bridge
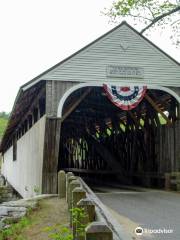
(68, 118)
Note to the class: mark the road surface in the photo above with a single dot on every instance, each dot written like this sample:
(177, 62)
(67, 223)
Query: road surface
(149, 209)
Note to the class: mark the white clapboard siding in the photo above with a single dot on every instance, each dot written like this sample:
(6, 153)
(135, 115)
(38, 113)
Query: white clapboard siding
(89, 65)
(25, 174)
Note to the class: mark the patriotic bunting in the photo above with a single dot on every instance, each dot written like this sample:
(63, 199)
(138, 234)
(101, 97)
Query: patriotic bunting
(127, 97)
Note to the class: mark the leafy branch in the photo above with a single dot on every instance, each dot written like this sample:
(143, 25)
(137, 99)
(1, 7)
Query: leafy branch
(150, 13)
(156, 19)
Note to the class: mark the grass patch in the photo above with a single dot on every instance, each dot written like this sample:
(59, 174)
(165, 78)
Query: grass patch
(14, 231)
(59, 232)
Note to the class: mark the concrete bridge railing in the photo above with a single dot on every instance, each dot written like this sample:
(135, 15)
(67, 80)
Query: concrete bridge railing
(100, 223)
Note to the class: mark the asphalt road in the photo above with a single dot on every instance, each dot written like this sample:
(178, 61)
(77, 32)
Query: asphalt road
(150, 209)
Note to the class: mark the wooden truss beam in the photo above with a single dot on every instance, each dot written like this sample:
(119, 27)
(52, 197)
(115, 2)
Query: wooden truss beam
(106, 155)
(154, 105)
(76, 104)
(136, 121)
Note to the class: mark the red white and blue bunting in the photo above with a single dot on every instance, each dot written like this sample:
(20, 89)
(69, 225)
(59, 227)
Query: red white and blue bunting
(127, 97)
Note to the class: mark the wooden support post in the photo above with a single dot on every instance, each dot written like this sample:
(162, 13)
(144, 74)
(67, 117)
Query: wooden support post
(98, 231)
(50, 155)
(62, 184)
(154, 105)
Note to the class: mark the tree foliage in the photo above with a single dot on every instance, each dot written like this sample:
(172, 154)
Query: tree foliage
(4, 115)
(3, 122)
(149, 14)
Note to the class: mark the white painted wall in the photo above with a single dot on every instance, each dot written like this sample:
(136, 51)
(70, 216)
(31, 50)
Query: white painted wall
(26, 172)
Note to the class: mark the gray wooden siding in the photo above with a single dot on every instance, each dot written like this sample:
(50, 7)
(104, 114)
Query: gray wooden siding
(54, 92)
(90, 64)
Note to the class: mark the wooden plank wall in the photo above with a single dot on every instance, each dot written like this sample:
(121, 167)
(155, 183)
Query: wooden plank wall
(168, 147)
(51, 151)
(177, 145)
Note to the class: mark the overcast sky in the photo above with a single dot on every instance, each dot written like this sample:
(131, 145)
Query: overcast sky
(36, 34)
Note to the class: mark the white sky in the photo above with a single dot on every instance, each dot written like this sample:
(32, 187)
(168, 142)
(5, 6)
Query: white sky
(36, 34)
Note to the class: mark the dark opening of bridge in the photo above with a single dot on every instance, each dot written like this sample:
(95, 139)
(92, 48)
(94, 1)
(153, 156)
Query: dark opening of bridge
(101, 142)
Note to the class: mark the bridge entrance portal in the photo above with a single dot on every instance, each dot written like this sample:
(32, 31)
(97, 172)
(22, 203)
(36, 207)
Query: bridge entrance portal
(100, 142)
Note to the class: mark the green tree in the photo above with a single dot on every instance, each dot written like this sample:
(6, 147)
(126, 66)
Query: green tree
(3, 122)
(149, 14)
(4, 115)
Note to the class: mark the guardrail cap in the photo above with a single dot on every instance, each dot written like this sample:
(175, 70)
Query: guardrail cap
(98, 227)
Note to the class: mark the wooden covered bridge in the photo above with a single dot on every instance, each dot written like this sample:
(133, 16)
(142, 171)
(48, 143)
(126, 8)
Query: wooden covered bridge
(109, 112)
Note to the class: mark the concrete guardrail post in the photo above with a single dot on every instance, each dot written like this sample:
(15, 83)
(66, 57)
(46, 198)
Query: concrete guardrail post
(89, 208)
(77, 194)
(62, 184)
(89, 215)
(98, 231)
(68, 175)
(69, 180)
(72, 185)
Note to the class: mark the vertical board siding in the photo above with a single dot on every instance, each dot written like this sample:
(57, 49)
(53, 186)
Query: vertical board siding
(90, 64)
(177, 145)
(25, 174)
(50, 159)
(168, 148)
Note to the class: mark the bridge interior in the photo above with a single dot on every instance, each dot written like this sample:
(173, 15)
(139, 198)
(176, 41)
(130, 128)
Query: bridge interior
(100, 142)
